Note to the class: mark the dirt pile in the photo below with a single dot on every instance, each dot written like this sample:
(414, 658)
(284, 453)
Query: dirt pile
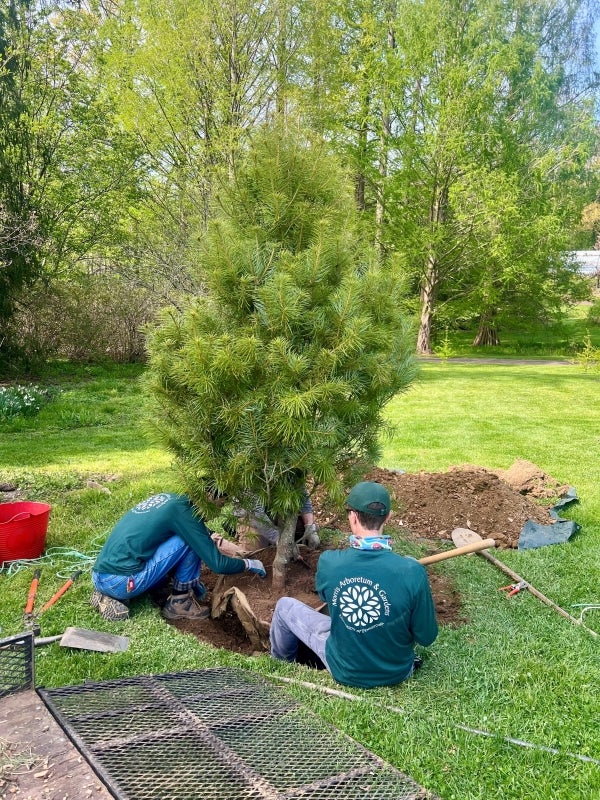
(431, 505)
(528, 479)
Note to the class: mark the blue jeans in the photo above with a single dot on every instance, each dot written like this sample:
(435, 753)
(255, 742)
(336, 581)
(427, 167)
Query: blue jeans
(174, 554)
(294, 621)
(260, 522)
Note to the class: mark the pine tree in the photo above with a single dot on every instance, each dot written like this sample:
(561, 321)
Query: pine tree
(277, 376)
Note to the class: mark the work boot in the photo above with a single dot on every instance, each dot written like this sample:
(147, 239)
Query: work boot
(109, 607)
(184, 606)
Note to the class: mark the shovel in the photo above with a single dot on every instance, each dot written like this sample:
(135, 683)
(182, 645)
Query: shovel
(464, 536)
(84, 639)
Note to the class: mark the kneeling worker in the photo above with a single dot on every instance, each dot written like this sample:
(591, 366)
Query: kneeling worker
(379, 603)
(160, 535)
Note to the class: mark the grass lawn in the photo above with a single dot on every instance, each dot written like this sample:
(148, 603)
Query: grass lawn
(516, 670)
(561, 339)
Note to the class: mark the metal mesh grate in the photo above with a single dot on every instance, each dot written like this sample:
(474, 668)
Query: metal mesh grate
(217, 734)
(16, 664)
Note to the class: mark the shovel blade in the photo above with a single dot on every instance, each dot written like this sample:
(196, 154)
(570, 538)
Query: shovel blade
(84, 639)
(463, 536)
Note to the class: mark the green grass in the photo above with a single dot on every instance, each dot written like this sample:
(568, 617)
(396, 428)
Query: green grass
(515, 670)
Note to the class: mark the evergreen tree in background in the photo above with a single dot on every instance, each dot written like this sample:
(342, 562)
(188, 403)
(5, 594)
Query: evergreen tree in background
(276, 378)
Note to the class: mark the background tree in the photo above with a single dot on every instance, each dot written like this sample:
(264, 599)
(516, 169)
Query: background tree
(20, 225)
(67, 172)
(189, 81)
(460, 88)
(467, 128)
(277, 377)
(587, 233)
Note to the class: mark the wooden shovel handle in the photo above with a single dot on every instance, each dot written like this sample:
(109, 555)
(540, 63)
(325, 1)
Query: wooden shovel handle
(474, 547)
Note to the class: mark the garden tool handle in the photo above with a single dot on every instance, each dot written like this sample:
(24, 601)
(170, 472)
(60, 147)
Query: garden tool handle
(61, 591)
(474, 547)
(32, 593)
(518, 579)
(47, 640)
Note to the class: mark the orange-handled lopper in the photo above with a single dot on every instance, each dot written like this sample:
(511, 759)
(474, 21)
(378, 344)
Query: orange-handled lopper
(32, 593)
(61, 591)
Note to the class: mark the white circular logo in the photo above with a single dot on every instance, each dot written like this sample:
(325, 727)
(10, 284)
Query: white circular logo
(156, 501)
(360, 606)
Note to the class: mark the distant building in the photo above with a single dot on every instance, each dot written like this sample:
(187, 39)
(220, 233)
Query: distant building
(588, 261)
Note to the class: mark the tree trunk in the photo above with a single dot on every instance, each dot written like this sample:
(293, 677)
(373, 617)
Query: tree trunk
(285, 548)
(487, 333)
(360, 182)
(428, 291)
(431, 278)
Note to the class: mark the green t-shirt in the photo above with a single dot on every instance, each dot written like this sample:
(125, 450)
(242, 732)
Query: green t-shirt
(137, 535)
(380, 604)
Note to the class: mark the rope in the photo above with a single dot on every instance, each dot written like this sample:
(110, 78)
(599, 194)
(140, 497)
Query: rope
(69, 560)
(397, 710)
(585, 607)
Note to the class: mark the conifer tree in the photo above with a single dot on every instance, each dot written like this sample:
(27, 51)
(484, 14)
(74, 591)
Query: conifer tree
(277, 376)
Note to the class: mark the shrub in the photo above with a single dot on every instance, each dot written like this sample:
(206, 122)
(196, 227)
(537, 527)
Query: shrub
(588, 357)
(593, 315)
(24, 401)
(90, 319)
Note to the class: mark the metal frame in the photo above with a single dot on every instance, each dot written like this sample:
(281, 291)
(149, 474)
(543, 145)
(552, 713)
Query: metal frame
(17, 663)
(217, 734)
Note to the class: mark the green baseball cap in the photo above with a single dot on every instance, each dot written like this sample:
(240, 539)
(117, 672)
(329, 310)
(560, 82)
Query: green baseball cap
(371, 498)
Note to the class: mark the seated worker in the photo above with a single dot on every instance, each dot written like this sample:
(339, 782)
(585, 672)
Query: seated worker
(379, 603)
(160, 535)
(259, 521)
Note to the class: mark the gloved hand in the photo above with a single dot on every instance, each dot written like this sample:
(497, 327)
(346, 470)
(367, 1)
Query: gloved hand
(311, 537)
(255, 566)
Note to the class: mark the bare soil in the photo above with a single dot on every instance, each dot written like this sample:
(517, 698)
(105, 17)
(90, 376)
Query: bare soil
(426, 508)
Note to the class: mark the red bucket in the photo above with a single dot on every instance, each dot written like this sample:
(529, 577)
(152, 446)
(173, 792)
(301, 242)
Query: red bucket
(23, 529)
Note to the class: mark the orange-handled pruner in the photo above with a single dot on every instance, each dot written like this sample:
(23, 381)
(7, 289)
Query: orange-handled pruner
(61, 591)
(514, 588)
(31, 596)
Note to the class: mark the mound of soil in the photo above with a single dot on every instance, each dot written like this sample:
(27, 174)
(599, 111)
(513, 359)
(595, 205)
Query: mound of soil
(431, 505)
(426, 509)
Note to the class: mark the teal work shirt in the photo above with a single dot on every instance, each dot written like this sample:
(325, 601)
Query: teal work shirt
(138, 534)
(380, 605)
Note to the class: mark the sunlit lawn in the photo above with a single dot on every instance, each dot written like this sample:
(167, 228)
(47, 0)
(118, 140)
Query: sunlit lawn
(514, 670)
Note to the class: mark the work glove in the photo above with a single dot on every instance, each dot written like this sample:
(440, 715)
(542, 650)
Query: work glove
(311, 537)
(255, 566)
